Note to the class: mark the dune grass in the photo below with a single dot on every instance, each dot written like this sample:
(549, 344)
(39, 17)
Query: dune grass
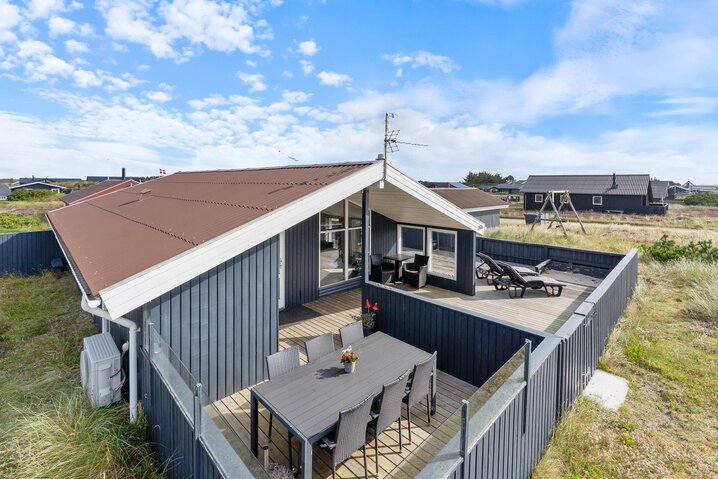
(47, 428)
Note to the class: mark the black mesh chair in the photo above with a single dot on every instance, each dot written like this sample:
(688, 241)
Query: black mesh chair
(279, 364)
(319, 346)
(415, 272)
(420, 388)
(381, 271)
(387, 410)
(350, 434)
(352, 333)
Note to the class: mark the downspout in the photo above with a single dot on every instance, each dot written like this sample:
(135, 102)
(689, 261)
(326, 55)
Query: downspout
(93, 307)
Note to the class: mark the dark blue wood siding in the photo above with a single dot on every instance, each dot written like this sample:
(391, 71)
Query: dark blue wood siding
(628, 204)
(301, 245)
(383, 234)
(223, 323)
(28, 253)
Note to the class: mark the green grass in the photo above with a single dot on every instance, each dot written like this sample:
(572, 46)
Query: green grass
(18, 216)
(667, 347)
(47, 428)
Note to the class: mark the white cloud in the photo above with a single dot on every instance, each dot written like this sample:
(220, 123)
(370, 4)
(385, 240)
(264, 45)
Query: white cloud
(158, 96)
(60, 26)
(308, 48)
(681, 106)
(254, 80)
(251, 63)
(9, 18)
(307, 66)
(44, 8)
(73, 47)
(215, 25)
(34, 48)
(295, 96)
(86, 78)
(423, 59)
(332, 78)
(287, 74)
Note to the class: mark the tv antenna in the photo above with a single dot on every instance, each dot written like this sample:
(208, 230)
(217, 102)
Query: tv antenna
(391, 144)
(280, 153)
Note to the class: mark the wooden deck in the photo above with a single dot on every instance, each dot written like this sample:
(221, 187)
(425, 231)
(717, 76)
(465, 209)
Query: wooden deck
(535, 310)
(332, 313)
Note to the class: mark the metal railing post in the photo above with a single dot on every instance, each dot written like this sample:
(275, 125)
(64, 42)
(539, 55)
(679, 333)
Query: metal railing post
(464, 438)
(527, 367)
(197, 427)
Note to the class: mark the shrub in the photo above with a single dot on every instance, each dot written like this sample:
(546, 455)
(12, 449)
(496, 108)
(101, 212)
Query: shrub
(33, 195)
(73, 440)
(666, 249)
(16, 221)
(702, 199)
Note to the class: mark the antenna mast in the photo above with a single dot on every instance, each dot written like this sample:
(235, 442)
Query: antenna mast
(391, 144)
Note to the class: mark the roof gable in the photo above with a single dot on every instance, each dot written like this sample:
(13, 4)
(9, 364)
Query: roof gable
(98, 189)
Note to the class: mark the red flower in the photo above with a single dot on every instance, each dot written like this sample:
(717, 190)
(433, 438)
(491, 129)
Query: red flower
(367, 303)
(376, 306)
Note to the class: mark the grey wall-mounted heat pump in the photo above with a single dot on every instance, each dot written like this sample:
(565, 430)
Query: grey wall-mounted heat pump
(101, 369)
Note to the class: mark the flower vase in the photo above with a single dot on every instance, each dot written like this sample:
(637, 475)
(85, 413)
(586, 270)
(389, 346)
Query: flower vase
(350, 367)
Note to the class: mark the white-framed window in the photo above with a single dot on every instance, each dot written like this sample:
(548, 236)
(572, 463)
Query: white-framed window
(442, 260)
(3, 198)
(56, 190)
(340, 242)
(598, 200)
(411, 239)
(538, 198)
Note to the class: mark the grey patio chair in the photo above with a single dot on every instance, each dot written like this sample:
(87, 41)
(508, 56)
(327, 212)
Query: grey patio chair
(420, 389)
(415, 272)
(516, 284)
(352, 333)
(387, 410)
(489, 269)
(319, 346)
(381, 271)
(279, 364)
(350, 434)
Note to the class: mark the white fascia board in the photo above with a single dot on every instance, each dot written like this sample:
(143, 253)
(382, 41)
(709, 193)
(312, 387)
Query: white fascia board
(485, 208)
(439, 203)
(143, 287)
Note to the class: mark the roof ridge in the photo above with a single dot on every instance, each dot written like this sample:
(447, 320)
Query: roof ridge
(197, 200)
(281, 167)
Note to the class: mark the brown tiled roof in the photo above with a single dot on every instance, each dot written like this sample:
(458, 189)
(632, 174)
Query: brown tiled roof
(107, 185)
(114, 237)
(467, 198)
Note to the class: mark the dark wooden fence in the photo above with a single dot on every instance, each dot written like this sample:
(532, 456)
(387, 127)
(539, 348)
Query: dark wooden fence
(470, 347)
(27, 253)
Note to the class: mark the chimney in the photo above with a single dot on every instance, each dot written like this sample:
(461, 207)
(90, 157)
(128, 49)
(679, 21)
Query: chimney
(614, 185)
(123, 173)
(145, 193)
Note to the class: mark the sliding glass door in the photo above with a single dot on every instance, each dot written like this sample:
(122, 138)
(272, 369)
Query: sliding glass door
(340, 243)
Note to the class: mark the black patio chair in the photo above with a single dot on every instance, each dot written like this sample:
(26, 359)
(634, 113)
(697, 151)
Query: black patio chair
(319, 346)
(279, 364)
(489, 269)
(387, 410)
(381, 271)
(416, 271)
(351, 333)
(516, 285)
(420, 388)
(350, 434)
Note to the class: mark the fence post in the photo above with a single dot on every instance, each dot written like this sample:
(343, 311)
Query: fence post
(527, 366)
(463, 452)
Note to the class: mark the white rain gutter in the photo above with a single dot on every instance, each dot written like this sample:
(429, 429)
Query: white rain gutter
(93, 307)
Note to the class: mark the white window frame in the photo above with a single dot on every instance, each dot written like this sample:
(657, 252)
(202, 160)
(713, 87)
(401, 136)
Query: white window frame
(345, 231)
(538, 198)
(428, 240)
(55, 190)
(399, 246)
(600, 201)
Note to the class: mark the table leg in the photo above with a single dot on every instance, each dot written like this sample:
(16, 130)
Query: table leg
(433, 390)
(397, 271)
(254, 425)
(306, 459)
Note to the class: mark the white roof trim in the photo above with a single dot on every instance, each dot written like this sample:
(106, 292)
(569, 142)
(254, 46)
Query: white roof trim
(143, 287)
(37, 183)
(485, 208)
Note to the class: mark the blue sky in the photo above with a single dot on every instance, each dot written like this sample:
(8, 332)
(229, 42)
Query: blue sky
(516, 87)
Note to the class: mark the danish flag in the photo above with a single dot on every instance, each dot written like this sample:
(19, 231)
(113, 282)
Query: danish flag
(163, 172)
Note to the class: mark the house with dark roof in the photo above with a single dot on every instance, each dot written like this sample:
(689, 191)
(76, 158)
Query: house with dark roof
(479, 204)
(4, 191)
(444, 184)
(660, 190)
(511, 188)
(97, 190)
(39, 185)
(606, 193)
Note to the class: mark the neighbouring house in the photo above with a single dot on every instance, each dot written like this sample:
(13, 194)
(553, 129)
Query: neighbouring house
(32, 179)
(479, 204)
(693, 188)
(39, 185)
(660, 190)
(605, 193)
(677, 191)
(96, 190)
(444, 184)
(4, 191)
(511, 188)
(204, 274)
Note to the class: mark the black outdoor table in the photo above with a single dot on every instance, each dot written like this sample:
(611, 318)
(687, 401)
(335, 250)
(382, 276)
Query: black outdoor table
(307, 401)
(398, 259)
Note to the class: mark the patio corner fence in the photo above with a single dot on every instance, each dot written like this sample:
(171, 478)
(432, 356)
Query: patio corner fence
(504, 433)
(28, 253)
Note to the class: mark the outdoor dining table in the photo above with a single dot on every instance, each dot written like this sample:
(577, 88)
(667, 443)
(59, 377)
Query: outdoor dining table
(398, 259)
(307, 401)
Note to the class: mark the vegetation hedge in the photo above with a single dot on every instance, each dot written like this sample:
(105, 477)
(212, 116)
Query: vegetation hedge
(666, 249)
(16, 221)
(702, 199)
(33, 195)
